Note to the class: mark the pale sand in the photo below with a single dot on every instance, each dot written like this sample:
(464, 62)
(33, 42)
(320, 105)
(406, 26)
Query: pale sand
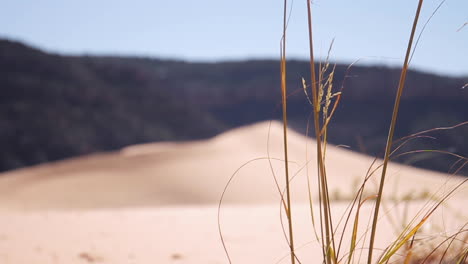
(156, 203)
(177, 235)
(196, 173)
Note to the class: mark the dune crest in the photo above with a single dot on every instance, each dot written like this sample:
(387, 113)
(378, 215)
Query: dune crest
(195, 173)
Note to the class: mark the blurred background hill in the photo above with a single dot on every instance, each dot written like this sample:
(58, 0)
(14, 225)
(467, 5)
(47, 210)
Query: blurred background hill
(56, 106)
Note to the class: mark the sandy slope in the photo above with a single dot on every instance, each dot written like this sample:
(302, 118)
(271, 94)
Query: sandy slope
(157, 203)
(196, 173)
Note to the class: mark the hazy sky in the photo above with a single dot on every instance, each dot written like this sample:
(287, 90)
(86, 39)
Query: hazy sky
(373, 30)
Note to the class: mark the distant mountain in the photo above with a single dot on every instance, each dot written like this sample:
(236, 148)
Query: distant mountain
(54, 107)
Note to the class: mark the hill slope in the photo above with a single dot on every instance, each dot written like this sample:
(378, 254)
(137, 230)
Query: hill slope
(53, 107)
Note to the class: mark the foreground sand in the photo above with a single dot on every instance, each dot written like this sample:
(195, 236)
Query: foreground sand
(157, 203)
(174, 235)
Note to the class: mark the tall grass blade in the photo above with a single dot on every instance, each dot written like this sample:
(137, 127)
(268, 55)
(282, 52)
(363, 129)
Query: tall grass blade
(388, 148)
(325, 215)
(285, 132)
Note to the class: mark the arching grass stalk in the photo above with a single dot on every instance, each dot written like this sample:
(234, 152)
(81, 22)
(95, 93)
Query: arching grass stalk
(285, 133)
(388, 147)
(325, 215)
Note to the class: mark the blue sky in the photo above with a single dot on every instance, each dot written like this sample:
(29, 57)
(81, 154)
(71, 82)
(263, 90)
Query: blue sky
(375, 31)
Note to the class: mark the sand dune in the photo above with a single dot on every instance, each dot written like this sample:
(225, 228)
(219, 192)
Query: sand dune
(157, 203)
(196, 173)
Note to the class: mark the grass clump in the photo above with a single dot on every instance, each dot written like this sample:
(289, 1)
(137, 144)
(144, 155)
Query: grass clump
(407, 247)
